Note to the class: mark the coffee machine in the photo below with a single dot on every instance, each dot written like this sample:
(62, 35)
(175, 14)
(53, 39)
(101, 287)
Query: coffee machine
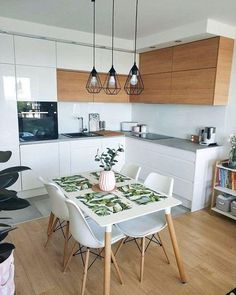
(208, 136)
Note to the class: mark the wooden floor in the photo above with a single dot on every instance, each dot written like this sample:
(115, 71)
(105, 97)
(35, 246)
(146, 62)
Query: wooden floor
(207, 243)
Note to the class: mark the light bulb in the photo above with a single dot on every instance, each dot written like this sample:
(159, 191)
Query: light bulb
(93, 81)
(134, 80)
(112, 81)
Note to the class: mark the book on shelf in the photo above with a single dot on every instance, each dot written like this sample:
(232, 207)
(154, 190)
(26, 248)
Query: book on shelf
(226, 178)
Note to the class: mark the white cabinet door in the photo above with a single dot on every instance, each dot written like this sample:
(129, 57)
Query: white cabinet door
(36, 83)
(114, 143)
(8, 108)
(6, 49)
(64, 158)
(35, 52)
(82, 155)
(43, 159)
(74, 57)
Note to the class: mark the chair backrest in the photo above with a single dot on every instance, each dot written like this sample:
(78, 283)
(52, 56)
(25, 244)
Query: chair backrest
(131, 170)
(57, 200)
(160, 183)
(79, 227)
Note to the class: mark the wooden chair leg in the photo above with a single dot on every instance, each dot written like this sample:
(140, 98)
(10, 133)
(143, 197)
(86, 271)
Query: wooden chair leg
(117, 268)
(51, 231)
(67, 233)
(163, 248)
(70, 256)
(142, 258)
(85, 272)
(119, 246)
(50, 222)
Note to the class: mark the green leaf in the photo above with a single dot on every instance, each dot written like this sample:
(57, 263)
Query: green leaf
(5, 156)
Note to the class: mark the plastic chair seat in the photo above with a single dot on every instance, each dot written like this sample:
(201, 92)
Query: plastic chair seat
(99, 232)
(143, 226)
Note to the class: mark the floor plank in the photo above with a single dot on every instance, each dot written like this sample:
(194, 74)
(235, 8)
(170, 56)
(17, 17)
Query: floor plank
(207, 243)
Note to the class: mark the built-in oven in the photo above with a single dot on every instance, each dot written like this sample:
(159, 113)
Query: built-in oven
(37, 120)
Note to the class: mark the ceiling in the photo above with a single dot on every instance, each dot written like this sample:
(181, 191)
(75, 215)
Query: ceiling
(154, 15)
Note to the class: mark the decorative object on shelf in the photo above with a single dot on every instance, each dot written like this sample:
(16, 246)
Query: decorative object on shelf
(232, 154)
(8, 201)
(134, 83)
(111, 85)
(94, 84)
(107, 180)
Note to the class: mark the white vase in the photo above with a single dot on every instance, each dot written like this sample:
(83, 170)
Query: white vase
(107, 181)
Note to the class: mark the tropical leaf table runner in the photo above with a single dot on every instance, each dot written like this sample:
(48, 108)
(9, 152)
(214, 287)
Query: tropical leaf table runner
(127, 194)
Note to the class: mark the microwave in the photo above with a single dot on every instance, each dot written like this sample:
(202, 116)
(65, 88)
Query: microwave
(37, 120)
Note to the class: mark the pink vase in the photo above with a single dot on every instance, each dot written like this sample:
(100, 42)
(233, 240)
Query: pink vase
(107, 181)
(7, 285)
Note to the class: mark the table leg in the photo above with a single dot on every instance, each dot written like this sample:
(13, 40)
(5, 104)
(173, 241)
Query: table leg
(107, 261)
(178, 257)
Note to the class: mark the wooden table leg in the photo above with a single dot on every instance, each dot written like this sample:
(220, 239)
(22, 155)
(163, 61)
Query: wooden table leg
(178, 257)
(107, 261)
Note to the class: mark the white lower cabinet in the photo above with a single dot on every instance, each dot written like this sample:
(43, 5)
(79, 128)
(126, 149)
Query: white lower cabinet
(61, 158)
(43, 159)
(192, 171)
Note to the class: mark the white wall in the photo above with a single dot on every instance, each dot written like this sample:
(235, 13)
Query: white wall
(112, 113)
(184, 120)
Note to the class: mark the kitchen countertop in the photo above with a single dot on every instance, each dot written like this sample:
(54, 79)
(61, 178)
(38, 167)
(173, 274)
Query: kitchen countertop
(173, 142)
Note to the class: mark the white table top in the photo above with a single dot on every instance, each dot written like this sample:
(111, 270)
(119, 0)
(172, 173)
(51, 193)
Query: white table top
(135, 210)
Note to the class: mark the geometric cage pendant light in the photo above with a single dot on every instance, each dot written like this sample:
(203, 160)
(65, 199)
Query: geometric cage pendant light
(111, 85)
(134, 83)
(94, 84)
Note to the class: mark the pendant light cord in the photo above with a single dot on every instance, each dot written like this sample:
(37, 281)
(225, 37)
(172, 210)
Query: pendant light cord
(94, 21)
(112, 40)
(135, 33)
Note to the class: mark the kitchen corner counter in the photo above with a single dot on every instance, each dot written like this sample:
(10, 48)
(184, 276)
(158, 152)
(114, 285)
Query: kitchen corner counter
(177, 143)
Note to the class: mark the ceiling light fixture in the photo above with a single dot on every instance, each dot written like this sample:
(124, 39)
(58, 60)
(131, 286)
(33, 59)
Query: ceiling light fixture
(111, 85)
(134, 83)
(94, 84)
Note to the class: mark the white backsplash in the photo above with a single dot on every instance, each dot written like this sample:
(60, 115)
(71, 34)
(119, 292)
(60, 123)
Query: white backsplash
(112, 113)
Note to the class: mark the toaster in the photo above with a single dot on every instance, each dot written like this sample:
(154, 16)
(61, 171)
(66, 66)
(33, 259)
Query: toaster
(127, 125)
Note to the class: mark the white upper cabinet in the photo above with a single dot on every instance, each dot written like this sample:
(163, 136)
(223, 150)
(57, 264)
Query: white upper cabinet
(8, 110)
(36, 83)
(6, 49)
(35, 52)
(103, 60)
(74, 57)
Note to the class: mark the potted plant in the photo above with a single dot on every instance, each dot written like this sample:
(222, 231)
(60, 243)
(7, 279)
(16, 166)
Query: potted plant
(8, 201)
(232, 153)
(107, 181)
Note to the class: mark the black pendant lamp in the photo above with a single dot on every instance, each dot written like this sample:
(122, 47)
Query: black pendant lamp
(111, 85)
(94, 84)
(134, 83)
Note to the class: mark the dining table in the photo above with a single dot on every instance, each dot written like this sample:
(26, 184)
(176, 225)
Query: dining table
(129, 199)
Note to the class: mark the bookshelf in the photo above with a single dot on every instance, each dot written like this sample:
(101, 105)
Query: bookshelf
(224, 181)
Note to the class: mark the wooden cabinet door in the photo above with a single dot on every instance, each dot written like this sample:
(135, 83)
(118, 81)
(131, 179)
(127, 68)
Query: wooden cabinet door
(157, 89)
(193, 87)
(157, 61)
(122, 96)
(196, 55)
(71, 86)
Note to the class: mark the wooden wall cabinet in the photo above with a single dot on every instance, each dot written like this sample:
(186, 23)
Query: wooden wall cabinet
(200, 73)
(71, 86)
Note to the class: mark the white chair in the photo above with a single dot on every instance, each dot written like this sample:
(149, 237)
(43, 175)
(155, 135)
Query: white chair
(151, 224)
(59, 214)
(131, 170)
(87, 233)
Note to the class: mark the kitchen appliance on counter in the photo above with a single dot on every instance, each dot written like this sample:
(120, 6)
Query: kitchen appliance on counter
(208, 136)
(128, 125)
(37, 120)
